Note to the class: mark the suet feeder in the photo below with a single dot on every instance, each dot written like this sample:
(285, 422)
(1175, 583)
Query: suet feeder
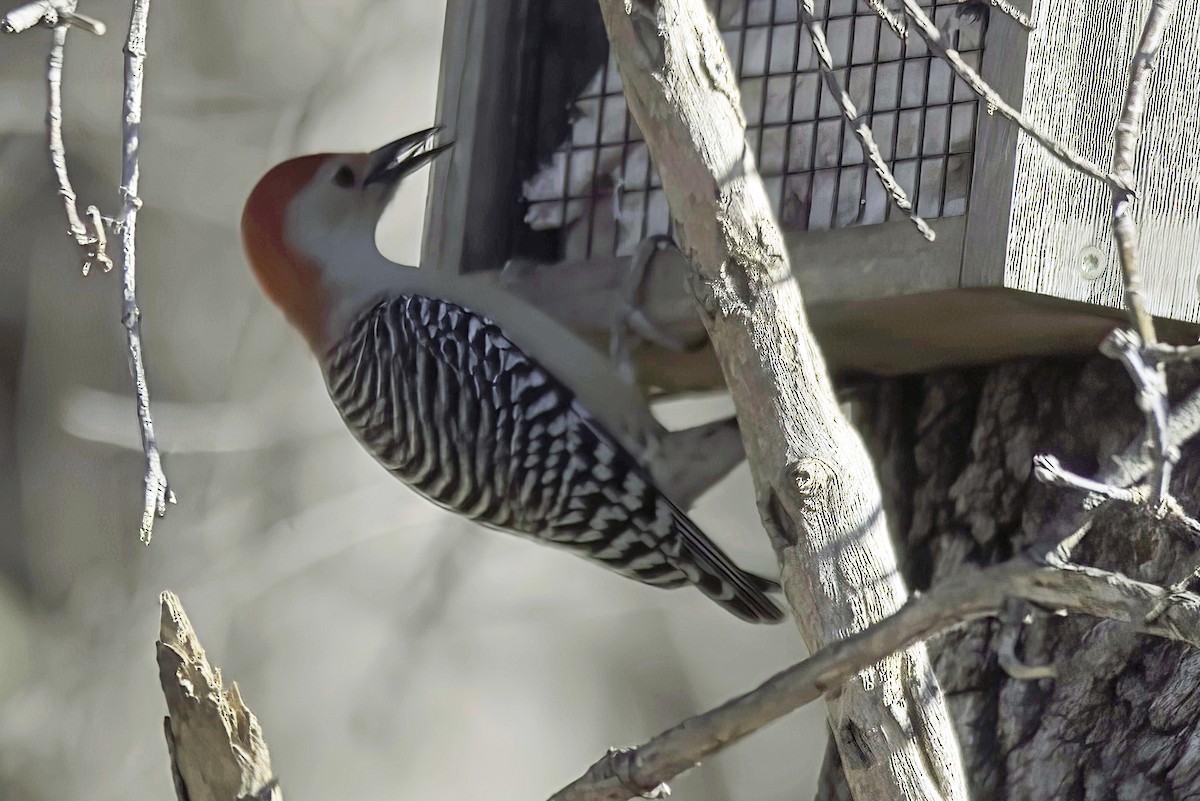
(551, 187)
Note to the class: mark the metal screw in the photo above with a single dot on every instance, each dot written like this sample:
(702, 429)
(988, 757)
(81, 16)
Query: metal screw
(1091, 263)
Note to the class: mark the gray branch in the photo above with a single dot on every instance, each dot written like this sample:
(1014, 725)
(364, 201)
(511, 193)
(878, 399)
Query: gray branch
(1138, 351)
(1150, 380)
(969, 595)
(1176, 353)
(1049, 470)
(896, 22)
(857, 122)
(60, 16)
(1068, 155)
(1012, 12)
(157, 493)
(48, 14)
(1128, 135)
(819, 498)
(91, 235)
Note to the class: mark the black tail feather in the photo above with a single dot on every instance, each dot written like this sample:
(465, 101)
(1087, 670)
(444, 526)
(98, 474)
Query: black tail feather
(741, 592)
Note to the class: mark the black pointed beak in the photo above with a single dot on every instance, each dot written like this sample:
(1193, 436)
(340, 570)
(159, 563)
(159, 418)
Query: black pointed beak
(397, 159)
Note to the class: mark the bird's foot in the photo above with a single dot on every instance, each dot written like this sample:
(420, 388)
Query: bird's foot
(631, 324)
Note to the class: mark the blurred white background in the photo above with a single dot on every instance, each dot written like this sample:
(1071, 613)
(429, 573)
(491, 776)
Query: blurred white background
(389, 649)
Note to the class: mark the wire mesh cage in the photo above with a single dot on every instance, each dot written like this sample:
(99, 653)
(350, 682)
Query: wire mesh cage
(598, 190)
(551, 187)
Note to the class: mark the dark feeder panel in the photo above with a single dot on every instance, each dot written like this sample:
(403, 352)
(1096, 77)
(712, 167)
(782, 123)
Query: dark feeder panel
(550, 169)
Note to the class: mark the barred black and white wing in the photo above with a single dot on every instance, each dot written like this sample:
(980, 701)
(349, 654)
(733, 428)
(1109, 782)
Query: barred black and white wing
(454, 409)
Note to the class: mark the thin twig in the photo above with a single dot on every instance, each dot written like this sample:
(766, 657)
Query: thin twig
(60, 15)
(1126, 470)
(1151, 382)
(1139, 354)
(30, 15)
(48, 14)
(933, 38)
(1154, 444)
(1049, 470)
(1128, 135)
(58, 150)
(1012, 12)
(1168, 354)
(896, 23)
(157, 493)
(1133, 463)
(969, 595)
(857, 122)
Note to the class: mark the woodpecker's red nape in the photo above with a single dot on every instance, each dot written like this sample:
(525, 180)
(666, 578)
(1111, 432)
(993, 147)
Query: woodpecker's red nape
(289, 279)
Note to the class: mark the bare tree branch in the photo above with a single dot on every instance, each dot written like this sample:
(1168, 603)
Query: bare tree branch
(856, 121)
(896, 23)
(818, 495)
(49, 14)
(93, 240)
(1049, 470)
(59, 15)
(1175, 353)
(1117, 480)
(1150, 381)
(1128, 135)
(215, 742)
(970, 595)
(1015, 619)
(1012, 12)
(1138, 350)
(933, 38)
(1134, 463)
(1138, 353)
(157, 493)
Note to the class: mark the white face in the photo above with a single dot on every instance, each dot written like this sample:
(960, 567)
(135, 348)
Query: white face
(335, 215)
(332, 222)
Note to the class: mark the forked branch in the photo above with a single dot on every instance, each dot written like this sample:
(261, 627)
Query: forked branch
(91, 233)
(972, 594)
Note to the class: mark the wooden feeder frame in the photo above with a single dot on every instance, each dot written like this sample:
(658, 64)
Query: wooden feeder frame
(880, 298)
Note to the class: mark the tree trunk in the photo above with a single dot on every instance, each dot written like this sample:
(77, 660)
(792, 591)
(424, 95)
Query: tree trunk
(954, 451)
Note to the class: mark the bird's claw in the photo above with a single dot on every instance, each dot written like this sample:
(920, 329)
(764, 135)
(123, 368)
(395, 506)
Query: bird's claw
(630, 320)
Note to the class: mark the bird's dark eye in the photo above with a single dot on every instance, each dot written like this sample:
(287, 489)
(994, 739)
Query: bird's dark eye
(344, 177)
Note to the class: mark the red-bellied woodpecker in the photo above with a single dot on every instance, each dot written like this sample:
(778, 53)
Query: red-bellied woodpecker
(497, 417)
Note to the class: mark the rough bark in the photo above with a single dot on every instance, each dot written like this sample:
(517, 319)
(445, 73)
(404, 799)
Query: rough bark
(816, 485)
(954, 449)
(215, 743)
